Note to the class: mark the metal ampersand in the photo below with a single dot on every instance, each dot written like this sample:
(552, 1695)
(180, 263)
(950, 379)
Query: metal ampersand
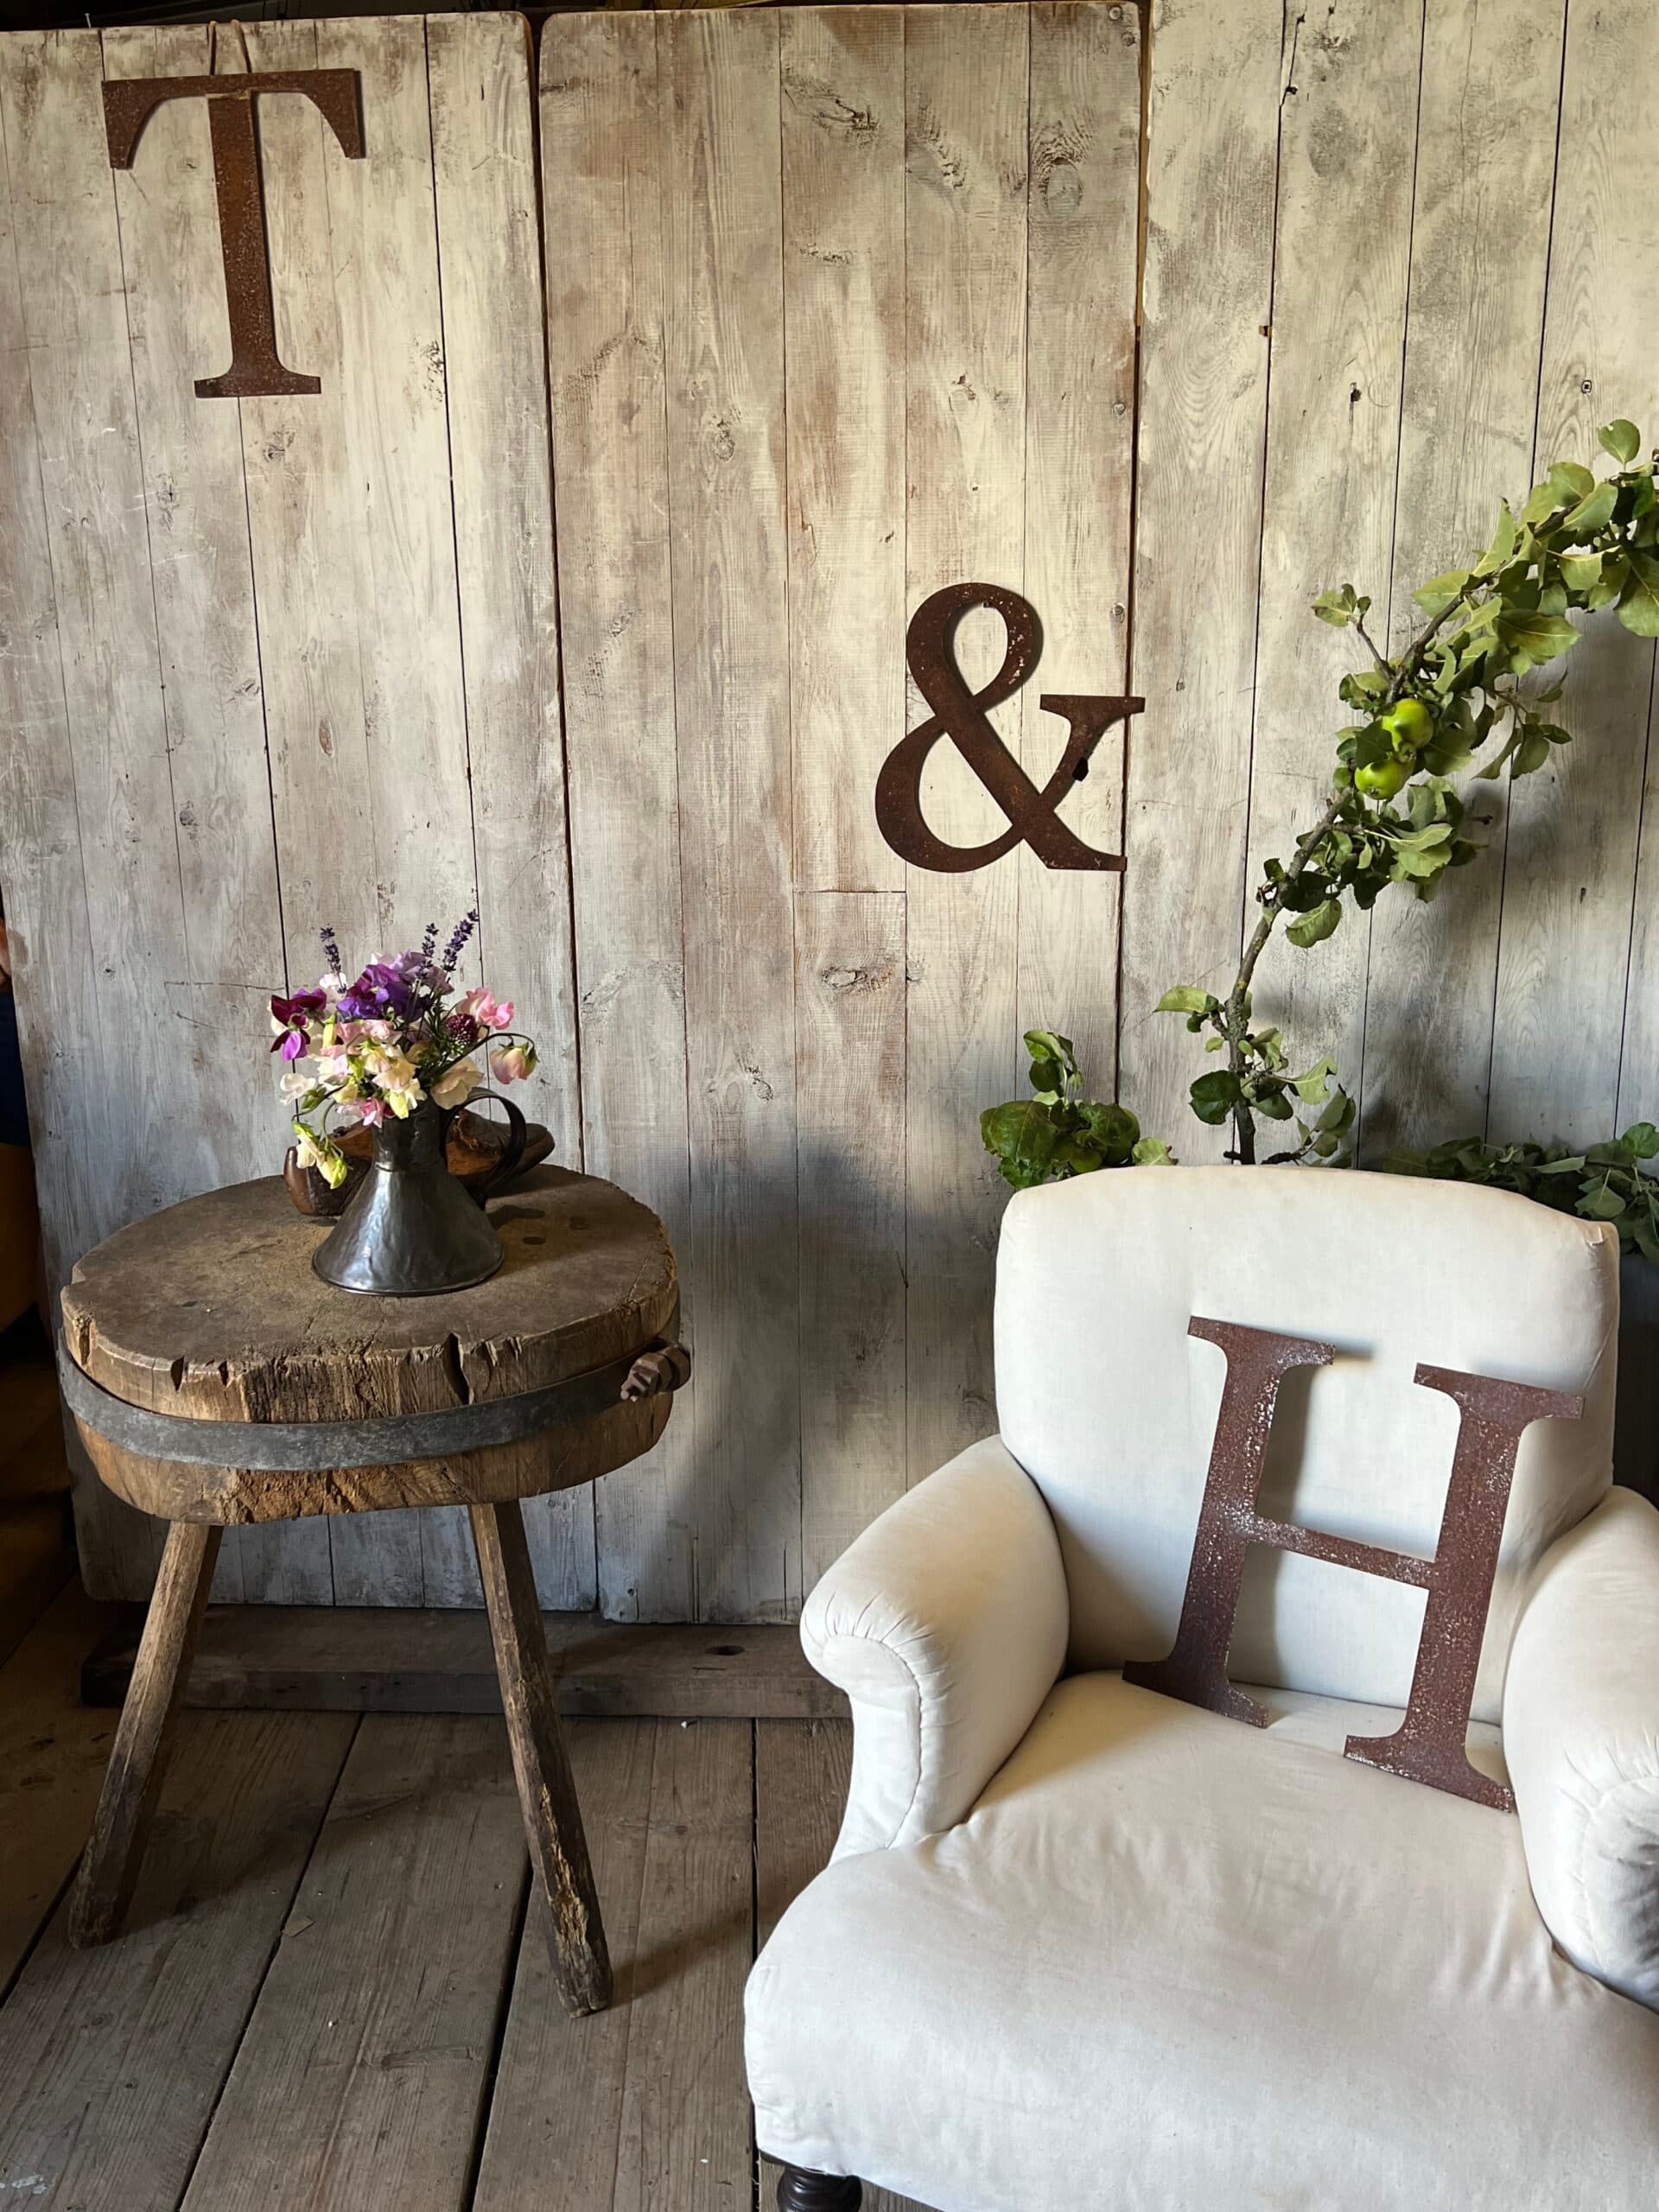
(963, 716)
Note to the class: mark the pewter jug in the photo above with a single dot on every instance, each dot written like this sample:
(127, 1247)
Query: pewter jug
(411, 1229)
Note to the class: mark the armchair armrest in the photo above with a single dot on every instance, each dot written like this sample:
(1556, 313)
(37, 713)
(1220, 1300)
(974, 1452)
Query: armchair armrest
(1581, 1736)
(945, 1623)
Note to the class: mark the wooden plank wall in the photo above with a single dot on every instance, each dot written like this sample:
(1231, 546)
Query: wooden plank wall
(277, 662)
(1164, 315)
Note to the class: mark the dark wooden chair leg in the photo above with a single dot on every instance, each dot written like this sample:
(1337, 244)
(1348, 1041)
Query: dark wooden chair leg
(558, 1849)
(132, 1782)
(800, 2191)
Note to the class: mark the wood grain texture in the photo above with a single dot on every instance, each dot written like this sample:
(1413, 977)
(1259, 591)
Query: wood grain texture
(361, 2076)
(602, 149)
(132, 1785)
(1206, 287)
(1570, 869)
(53, 1754)
(966, 102)
(558, 1849)
(724, 376)
(683, 2135)
(849, 1019)
(339, 1659)
(842, 83)
(1343, 251)
(557, 2113)
(1083, 223)
(1485, 159)
(113, 2059)
(489, 251)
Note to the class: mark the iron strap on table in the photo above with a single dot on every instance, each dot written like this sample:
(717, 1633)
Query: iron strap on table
(296, 1446)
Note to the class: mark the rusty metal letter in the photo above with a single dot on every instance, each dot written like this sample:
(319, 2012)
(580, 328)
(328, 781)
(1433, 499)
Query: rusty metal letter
(963, 716)
(1429, 1744)
(256, 367)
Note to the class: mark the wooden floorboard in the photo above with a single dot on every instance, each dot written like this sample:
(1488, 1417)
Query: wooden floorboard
(556, 2116)
(113, 2059)
(800, 1788)
(332, 1996)
(52, 1756)
(382, 1659)
(361, 2082)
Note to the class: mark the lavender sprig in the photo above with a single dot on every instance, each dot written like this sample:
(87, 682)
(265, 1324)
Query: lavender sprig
(457, 944)
(331, 948)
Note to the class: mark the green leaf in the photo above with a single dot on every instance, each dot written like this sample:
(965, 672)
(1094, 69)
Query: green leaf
(1025, 1138)
(1542, 502)
(1049, 1045)
(1639, 605)
(1601, 1203)
(1048, 1081)
(1152, 1152)
(1642, 1140)
(1336, 607)
(1272, 1103)
(1498, 551)
(1311, 928)
(1622, 439)
(1535, 639)
(1572, 479)
(1594, 512)
(1112, 1128)
(1215, 1094)
(1439, 592)
(1314, 1087)
(1187, 998)
(1579, 571)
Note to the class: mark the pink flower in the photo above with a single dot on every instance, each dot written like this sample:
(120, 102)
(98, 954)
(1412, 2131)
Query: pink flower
(371, 1112)
(484, 1007)
(514, 1063)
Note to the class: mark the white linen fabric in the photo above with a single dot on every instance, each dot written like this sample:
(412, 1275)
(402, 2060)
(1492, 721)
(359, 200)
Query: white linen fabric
(1173, 1964)
(1581, 1724)
(1110, 1406)
(945, 1624)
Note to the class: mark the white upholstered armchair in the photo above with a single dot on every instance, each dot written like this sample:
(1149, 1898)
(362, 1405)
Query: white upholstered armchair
(1083, 1946)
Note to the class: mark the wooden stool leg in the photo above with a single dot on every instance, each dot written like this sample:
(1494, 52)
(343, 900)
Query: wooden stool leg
(558, 1849)
(132, 1782)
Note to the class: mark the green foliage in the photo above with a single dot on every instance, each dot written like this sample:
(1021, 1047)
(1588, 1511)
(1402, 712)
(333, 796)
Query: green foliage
(1461, 688)
(1262, 1082)
(1057, 1132)
(1603, 1183)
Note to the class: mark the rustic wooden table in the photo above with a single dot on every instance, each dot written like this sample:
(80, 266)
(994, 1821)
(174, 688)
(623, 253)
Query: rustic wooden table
(216, 1380)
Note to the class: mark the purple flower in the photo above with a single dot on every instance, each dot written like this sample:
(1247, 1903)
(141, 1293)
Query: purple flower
(293, 1014)
(381, 991)
(458, 938)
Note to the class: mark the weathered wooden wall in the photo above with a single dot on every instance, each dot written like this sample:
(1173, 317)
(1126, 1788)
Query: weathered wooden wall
(841, 307)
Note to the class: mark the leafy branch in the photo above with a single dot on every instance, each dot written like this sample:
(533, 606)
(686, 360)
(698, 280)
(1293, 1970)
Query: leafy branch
(1603, 1183)
(1577, 544)
(1057, 1132)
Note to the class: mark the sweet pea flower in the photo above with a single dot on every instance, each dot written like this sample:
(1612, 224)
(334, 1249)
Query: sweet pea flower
(512, 1062)
(371, 1112)
(290, 1018)
(317, 1152)
(456, 1084)
(485, 1008)
(298, 1081)
(396, 1078)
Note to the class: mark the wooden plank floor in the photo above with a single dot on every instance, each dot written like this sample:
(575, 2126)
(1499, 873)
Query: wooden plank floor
(333, 1994)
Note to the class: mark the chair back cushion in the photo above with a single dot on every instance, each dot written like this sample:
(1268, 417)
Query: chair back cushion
(1111, 1405)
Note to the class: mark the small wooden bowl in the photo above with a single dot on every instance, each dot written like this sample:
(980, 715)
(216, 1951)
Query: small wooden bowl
(474, 1146)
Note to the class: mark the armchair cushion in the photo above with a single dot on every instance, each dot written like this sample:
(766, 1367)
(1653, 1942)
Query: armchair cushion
(945, 1624)
(1171, 1963)
(1581, 1726)
(1109, 1404)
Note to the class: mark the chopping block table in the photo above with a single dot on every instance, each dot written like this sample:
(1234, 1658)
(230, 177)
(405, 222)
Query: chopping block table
(217, 1381)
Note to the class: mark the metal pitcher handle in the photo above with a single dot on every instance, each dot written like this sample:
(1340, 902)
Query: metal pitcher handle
(511, 1152)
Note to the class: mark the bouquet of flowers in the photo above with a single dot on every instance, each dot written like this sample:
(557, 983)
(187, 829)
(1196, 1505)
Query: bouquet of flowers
(384, 1044)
